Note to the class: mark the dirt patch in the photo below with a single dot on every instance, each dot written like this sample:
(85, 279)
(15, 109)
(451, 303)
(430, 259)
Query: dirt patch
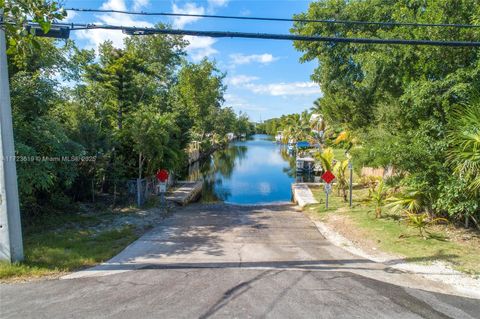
(459, 235)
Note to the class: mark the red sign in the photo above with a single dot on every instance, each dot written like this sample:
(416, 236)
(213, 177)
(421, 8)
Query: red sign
(162, 175)
(328, 177)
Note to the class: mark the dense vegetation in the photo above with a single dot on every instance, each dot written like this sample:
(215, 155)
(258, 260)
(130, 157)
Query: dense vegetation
(296, 127)
(86, 122)
(414, 108)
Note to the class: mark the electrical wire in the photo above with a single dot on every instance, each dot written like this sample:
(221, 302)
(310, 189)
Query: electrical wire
(291, 37)
(326, 21)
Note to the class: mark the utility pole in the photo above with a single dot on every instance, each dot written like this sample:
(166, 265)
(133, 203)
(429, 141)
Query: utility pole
(11, 245)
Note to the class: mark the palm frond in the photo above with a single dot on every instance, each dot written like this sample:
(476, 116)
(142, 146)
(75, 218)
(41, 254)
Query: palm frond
(463, 154)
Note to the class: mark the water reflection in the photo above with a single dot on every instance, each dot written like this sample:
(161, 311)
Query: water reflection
(247, 172)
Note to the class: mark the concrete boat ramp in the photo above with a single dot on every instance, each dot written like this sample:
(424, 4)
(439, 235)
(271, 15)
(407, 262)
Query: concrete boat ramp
(302, 195)
(185, 192)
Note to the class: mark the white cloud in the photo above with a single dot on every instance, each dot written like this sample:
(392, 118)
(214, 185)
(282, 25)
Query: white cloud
(188, 8)
(200, 47)
(275, 89)
(139, 4)
(114, 5)
(70, 16)
(217, 3)
(95, 37)
(265, 58)
(240, 104)
(245, 12)
(239, 80)
(283, 88)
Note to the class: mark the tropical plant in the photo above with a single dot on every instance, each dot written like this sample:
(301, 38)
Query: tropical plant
(456, 201)
(421, 222)
(326, 158)
(411, 201)
(296, 127)
(369, 182)
(378, 197)
(464, 149)
(340, 171)
(347, 138)
(317, 126)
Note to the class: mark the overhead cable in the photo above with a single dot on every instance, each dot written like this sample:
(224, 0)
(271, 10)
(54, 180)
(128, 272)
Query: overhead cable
(291, 37)
(326, 21)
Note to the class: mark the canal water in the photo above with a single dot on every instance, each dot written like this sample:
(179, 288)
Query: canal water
(254, 171)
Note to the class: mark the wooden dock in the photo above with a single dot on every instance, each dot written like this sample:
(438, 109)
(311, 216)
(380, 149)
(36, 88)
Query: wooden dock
(185, 192)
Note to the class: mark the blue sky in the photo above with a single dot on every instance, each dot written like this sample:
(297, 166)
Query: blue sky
(264, 77)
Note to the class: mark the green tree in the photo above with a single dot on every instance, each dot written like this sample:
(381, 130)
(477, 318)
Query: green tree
(18, 12)
(198, 96)
(151, 135)
(399, 101)
(41, 141)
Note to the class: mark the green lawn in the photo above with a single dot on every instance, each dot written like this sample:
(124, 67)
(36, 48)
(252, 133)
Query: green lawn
(68, 244)
(392, 234)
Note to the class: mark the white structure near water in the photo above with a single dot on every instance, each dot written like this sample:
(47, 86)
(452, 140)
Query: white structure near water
(305, 164)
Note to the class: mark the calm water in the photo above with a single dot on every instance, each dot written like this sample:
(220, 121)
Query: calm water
(247, 172)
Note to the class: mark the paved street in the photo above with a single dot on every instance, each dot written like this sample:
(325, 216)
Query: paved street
(223, 261)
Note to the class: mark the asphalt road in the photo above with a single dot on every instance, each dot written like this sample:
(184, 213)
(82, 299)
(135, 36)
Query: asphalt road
(224, 261)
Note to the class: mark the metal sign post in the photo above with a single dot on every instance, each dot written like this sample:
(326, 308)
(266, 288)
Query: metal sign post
(350, 167)
(162, 177)
(328, 177)
(162, 189)
(328, 189)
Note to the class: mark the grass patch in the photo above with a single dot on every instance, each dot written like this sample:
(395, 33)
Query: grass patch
(391, 234)
(339, 154)
(74, 245)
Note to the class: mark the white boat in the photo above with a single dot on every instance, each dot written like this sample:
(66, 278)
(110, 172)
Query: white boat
(291, 147)
(279, 137)
(230, 136)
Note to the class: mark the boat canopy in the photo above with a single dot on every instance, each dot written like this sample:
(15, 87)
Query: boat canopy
(303, 144)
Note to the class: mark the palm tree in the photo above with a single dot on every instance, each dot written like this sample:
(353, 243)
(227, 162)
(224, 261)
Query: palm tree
(411, 201)
(463, 154)
(378, 198)
(296, 127)
(464, 151)
(317, 107)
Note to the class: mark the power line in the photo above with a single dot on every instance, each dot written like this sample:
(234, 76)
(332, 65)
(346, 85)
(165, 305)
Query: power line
(326, 21)
(291, 37)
